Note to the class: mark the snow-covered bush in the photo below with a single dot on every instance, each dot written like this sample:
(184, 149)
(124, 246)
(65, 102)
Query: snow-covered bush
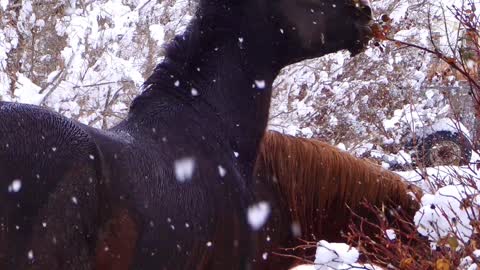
(335, 256)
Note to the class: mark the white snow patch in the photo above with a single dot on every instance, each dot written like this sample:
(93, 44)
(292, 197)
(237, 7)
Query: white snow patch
(258, 214)
(157, 33)
(341, 146)
(442, 214)
(28, 92)
(447, 124)
(184, 168)
(4, 4)
(400, 11)
(331, 256)
(467, 263)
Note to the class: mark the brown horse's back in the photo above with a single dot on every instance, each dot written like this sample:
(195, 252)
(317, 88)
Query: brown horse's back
(318, 187)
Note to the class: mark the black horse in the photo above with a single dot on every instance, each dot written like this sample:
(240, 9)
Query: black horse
(168, 187)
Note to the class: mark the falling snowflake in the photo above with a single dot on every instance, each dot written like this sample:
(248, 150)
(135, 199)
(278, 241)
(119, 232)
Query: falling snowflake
(260, 84)
(194, 92)
(15, 186)
(296, 229)
(258, 214)
(184, 169)
(30, 254)
(221, 171)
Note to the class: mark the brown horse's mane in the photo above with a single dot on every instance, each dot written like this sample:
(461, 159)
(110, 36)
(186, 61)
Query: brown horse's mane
(321, 185)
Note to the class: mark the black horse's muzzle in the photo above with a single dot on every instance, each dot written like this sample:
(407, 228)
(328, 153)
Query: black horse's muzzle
(363, 23)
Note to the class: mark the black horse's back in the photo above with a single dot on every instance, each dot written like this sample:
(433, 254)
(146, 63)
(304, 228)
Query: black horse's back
(48, 178)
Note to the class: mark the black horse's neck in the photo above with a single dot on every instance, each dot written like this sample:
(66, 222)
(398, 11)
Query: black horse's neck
(219, 70)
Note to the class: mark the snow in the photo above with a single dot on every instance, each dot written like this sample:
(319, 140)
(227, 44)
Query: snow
(184, 169)
(390, 234)
(443, 214)
(157, 32)
(468, 263)
(304, 267)
(15, 186)
(331, 256)
(74, 200)
(30, 255)
(258, 214)
(194, 92)
(440, 176)
(221, 171)
(27, 92)
(296, 229)
(4, 4)
(400, 11)
(448, 124)
(260, 84)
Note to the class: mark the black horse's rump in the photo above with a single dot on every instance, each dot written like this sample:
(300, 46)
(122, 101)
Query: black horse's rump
(168, 187)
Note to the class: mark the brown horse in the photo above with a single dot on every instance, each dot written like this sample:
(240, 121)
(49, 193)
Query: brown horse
(316, 187)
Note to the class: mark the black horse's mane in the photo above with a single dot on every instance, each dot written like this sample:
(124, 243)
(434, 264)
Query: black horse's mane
(174, 75)
(214, 23)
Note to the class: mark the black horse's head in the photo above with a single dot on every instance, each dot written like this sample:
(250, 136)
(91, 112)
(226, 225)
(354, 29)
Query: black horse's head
(295, 30)
(317, 27)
